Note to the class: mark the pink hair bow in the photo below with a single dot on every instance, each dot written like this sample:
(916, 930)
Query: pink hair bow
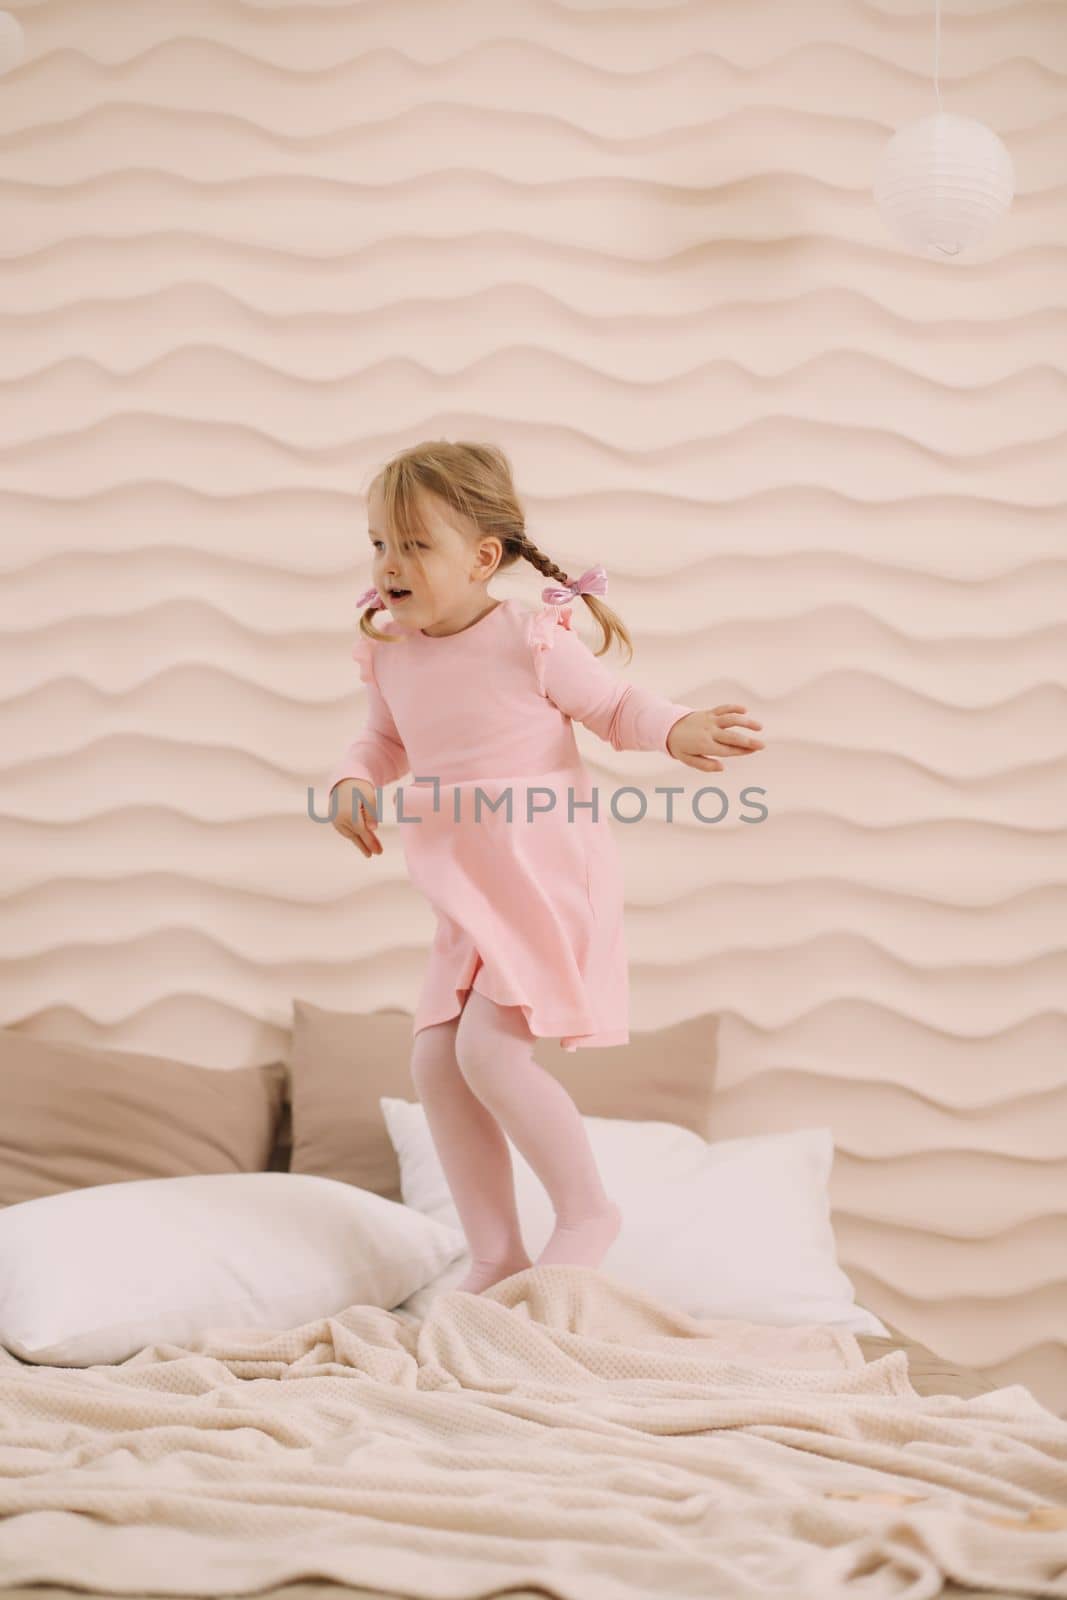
(594, 581)
(371, 598)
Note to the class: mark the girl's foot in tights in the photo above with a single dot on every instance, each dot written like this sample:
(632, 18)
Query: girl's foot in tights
(483, 1274)
(584, 1243)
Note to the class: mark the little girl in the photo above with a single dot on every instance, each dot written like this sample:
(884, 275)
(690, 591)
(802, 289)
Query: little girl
(510, 843)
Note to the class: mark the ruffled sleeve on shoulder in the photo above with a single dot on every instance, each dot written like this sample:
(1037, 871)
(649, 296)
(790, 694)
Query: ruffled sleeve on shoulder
(363, 655)
(544, 632)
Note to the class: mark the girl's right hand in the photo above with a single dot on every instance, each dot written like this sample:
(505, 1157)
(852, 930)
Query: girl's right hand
(363, 830)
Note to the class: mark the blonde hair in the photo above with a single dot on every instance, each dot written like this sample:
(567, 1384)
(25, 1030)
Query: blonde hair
(475, 481)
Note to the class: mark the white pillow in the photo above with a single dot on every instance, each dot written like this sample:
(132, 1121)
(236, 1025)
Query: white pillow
(738, 1228)
(96, 1274)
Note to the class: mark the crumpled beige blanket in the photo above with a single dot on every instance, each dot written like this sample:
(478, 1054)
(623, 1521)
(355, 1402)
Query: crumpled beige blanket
(560, 1431)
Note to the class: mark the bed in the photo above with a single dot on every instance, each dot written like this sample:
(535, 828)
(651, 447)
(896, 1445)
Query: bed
(566, 1432)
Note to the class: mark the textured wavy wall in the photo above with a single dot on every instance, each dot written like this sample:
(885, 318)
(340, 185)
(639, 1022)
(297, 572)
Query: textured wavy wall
(251, 249)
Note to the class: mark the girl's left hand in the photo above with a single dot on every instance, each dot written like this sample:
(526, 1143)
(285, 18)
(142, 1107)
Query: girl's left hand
(703, 736)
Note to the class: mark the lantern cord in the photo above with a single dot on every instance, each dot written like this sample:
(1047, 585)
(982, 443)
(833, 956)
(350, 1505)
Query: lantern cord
(937, 51)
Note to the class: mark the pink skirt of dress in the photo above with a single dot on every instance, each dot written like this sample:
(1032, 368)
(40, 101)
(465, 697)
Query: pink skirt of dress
(529, 903)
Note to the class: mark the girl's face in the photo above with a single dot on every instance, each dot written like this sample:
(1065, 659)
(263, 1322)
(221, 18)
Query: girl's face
(443, 572)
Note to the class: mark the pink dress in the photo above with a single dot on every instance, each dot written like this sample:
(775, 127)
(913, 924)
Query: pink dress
(502, 828)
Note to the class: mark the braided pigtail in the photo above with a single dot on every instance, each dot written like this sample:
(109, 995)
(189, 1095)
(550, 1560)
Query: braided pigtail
(610, 623)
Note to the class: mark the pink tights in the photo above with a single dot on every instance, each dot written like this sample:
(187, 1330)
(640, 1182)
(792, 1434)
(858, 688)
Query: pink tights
(477, 1080)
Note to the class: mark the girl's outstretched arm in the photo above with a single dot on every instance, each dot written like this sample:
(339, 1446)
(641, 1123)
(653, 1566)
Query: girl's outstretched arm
(622, 714)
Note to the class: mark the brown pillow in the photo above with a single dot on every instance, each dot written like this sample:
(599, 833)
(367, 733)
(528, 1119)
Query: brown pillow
(76, 1115)
(341, 1063)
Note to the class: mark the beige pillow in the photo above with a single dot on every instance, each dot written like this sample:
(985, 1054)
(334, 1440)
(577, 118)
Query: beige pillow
(76, 1115)
(341, 1064)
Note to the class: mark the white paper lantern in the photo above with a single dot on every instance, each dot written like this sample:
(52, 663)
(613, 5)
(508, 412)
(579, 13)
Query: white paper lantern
(12, 43)
(943, 183)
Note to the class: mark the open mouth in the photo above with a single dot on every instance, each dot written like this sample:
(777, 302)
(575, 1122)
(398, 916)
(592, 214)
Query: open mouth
(398, 594)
